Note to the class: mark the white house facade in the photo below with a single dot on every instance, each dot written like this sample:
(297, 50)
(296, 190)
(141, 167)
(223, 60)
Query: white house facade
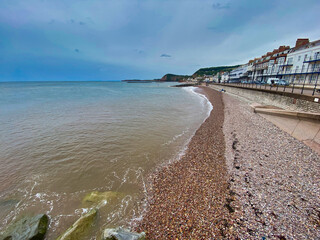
(239, 73)
(303, 64)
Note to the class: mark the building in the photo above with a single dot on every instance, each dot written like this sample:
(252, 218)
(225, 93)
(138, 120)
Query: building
(267, 66)
(239, 74)
(208, 78)
(225, 77)
(303, 63)
(299, 65)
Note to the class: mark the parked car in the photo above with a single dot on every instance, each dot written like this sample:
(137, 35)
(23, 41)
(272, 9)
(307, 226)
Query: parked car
(283, 83)
(272, 81)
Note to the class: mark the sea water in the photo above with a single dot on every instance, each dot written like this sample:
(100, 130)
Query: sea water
(60, 141)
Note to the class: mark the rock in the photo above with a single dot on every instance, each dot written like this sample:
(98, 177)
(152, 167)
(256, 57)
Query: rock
(9, 202)
(28, 228)
(80, 228)
(122, 234)
(96, 198)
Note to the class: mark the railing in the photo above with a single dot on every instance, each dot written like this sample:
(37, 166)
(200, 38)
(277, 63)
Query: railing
(310, 59)
(303, 71)
(300, 88)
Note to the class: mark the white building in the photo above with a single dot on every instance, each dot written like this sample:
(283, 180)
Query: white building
(269, 65)
(238, 74)
(303, 63)
(208, 78)
(216, 77)
(224, 77)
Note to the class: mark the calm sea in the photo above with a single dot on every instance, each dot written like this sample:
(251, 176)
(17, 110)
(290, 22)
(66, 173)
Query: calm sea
(60, 141)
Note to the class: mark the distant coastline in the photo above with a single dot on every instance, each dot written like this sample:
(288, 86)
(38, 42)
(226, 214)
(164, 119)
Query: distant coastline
(138, 81)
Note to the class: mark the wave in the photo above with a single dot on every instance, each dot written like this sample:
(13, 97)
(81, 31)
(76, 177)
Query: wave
(204, 100)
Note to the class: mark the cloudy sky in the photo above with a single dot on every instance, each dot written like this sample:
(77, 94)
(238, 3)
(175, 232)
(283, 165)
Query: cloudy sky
(144, 39)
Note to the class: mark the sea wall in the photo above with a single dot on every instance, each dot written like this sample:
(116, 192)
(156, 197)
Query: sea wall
(288, 101)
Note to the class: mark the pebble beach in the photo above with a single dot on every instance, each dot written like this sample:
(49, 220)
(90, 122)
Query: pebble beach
(240, 178)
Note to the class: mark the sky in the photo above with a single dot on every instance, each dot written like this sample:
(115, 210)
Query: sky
(98, 40)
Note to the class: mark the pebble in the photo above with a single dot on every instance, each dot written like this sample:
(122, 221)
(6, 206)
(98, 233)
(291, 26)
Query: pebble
(240, 178)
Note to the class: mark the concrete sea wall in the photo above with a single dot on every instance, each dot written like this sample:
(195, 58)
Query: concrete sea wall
(285, 100)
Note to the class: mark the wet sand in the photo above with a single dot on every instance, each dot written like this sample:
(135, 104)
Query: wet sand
(189, 199)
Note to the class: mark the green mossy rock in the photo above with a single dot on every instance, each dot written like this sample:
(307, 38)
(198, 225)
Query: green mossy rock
(80, 228)
(33, 228)
(97, 198)
(122, 234)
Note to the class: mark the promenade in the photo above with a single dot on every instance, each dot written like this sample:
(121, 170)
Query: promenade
(300, 89)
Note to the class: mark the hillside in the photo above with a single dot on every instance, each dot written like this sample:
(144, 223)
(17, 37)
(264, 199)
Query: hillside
(202, 71)
(173, 78)
(213, 70)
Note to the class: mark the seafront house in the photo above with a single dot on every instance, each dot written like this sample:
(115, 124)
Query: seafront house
(239, 74)
(224, 77)
(298, 65)
(269, 65)
(208, 78)
(303, 63)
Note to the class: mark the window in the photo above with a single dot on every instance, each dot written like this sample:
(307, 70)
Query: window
(305, 57)
(299, 58)
(297, 68)
(290, 60)
(281, 60)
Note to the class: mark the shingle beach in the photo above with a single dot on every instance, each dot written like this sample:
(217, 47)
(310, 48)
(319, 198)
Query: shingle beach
(240, 178)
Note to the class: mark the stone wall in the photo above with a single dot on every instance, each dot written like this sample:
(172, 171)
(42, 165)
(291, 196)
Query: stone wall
(293, 103)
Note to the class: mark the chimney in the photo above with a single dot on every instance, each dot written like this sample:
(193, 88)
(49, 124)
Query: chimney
(301, 41)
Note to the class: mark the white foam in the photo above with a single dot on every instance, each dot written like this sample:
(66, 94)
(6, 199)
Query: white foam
(176, 137)
(204, 99)
(207, 104)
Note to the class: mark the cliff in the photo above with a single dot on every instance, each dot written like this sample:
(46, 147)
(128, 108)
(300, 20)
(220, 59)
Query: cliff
(173, 78)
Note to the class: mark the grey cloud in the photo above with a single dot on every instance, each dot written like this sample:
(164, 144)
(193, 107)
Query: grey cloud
(165, 55)
(130, 34)
(82, 23)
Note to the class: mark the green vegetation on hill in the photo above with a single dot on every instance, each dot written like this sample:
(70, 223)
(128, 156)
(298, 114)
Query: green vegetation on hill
(199, 73)
(213, 70)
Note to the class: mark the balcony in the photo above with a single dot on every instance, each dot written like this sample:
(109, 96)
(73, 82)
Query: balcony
(312, 59)
(292, 72)
(286, 64)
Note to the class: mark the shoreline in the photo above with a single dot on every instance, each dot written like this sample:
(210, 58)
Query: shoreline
(190, 198)
(241, 178)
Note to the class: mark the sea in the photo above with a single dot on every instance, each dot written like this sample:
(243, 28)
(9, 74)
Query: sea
(61, 141)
